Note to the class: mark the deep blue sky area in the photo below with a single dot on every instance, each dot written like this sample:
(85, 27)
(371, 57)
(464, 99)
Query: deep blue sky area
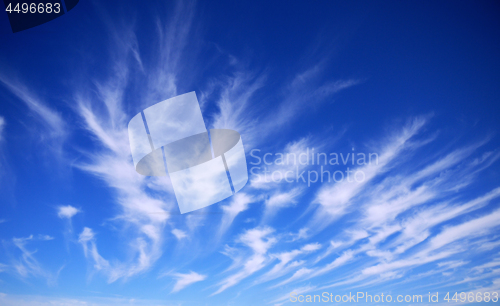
(414, 82)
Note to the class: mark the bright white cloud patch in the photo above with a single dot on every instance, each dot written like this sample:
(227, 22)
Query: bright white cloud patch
(184, 280)
(67, 211)
(179, 234)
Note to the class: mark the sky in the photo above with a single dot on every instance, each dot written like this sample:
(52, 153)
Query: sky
(401, 98)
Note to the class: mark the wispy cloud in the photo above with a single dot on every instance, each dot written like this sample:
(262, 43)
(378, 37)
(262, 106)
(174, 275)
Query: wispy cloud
(66, 213)
(27, 265)
(305, 90)
(170, 64)
(409, 212)
(55, 128)
(36, 300)
(238, 204)
(184, 280)
(144, 203)
(334, 200)
(287, 262)
(87, 240)
(179, 234)
(234, 105)
(258, 241)
(407, 219)
(306, 273)
(281, 200)
(238, 92)
(2, 127)
(291, 155)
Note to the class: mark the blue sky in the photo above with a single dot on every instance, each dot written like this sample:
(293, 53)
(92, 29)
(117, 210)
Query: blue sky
(414, 83)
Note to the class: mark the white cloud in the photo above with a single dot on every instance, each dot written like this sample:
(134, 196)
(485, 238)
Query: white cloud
(27, 265)
(393, 222)
(291, 154)
(443, 245)
(301, 234)
(179, 234)
(408, 207)
(299, 275)
(34, 300)
(143, 203)
(174, 37)
(67, 211)
(56, 128)
(87, 240)
(256, 240)
(111, 162)
(2, 126)
(487, 266)
(281, 200)
(234, 105)
(184, 280)
(417, 228)
(303, 90)
(306, 273)
(286, 263)
(284, 199)
(335, 199)
(239, 203)
(472, 228)
(238, 91)
(45, 237)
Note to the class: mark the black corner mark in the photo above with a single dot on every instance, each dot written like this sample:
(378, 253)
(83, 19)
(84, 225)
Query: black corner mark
(26, 14)
(70, 4)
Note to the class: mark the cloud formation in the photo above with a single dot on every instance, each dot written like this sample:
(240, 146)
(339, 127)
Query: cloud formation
(184, 280)
(67, 211)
